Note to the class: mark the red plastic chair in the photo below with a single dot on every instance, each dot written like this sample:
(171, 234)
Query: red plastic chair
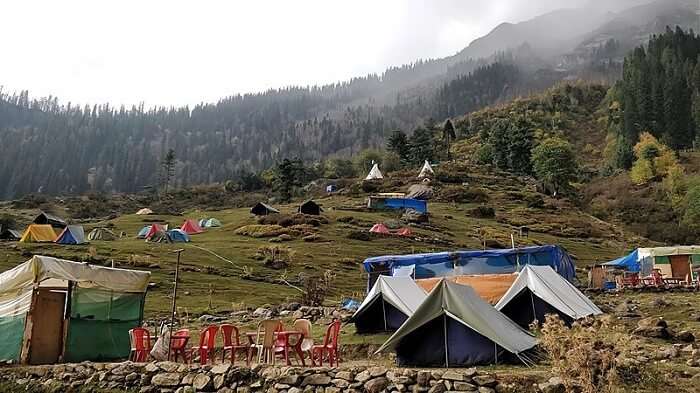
(140, 344)
(232, 342)
(207, 343)
(329, 348)
(178, 344)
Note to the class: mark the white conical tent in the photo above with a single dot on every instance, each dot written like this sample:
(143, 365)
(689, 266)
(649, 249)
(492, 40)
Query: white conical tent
(426, 171)
(548, 286)
(374, 173)
(401, 293)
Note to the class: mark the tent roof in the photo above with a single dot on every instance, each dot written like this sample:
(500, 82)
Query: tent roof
(549, 286)
(50, 217)
(490, 287)
(426, 171)
(39, 233)
(401, 292)
(665, 251)
(628, 262)
(41, 268)
(374, 173)
(191, 227)
(101, 233)
(76, 231)
(11, 233)
(266, 206)
(462, 304)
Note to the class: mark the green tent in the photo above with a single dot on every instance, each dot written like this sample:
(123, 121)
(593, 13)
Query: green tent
(42, 296)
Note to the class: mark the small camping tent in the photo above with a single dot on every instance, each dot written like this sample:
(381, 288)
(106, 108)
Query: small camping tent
(453, 327)
(178, 236)
(538, 291)
(374, 173)
(426, 172)
(72, 234)
(49, 219)
(191, 227)
(101, 234)
(144, 212)
(95, 306)
(380, 228)
(387, 306)
(210, 223)
(406, 232)
(331, 188)
(154, 230)
(144, 232)
(38, 233)
(311, 208)
(10, 234)
(263, 209)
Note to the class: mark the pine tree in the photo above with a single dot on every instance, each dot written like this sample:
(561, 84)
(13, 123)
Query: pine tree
(448, 135)
(167, 169)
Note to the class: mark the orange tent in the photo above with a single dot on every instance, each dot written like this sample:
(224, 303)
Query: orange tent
(191, 227)
(405, 232)
(490, 287)
(155, 229)
(380, 228)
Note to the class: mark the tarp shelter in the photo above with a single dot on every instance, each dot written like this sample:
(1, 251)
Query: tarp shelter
(426, 172)
(454, 327)
(374, 173)
(144, 232)
(36, 233)
(490, 287)
(387, 306)
(50, 219)
(381, 203)
(677, 261)
(420, 191)
(539, 291)
(101, 234)
(144, 212)
(475, 262)
(311, 208)
(45, 298)
(178, 236)
(380, 228)
(405, 232)
(72, 234)
(263, 209)
(10, 234)
(191, 227)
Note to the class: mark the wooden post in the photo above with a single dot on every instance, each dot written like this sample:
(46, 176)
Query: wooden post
(28, 327)
(173, 309)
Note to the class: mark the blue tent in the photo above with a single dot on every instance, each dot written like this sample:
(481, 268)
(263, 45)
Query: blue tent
(72, 234)
(143, 232)
(178, 236)
(629, 262)
(473, 262)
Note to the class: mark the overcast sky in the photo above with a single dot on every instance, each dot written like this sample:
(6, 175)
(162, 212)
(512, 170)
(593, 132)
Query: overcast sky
(169, 52)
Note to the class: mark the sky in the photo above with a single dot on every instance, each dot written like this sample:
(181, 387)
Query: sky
(170, 52)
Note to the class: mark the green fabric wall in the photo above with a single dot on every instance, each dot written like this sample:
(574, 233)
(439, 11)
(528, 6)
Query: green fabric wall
(11, 334)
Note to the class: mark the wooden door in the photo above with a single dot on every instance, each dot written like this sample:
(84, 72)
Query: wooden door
(680, 266)
(47, 331)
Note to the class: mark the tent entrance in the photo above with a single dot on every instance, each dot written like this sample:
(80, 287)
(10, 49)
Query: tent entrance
(680, 266)
(46, 342)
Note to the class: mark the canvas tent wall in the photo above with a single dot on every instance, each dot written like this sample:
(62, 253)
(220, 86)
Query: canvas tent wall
(95, 306)
(539, 291)
(374, 173)
(191, 227)
(144, 212)
(10, 234)
(677, 261)
(490, 287)
(72, 234)
(311, 208)
(470, 263)
(453, 327)
(38, 234)
(263, 209)
(49, 219)
(387, 305)
(101, 234)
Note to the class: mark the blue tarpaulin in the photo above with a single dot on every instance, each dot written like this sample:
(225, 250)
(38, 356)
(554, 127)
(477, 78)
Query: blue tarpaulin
(406, 203)
(629, 262)
(474, 262)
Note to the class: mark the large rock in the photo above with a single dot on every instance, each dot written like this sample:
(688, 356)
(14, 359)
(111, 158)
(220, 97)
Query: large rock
(377, 371)
(485, 380)
(451, 375)
(316, 379)
(346, 375)
(686, 336)
(221, 368)
(169, 367)
(363, 376)
(201, 382)
(464, 386)
(554, 385)
(376, 385)
(653, 328)
(219, 381)
(166, 379)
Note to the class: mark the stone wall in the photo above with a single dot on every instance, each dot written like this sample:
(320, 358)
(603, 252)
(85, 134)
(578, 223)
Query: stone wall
(224, 378)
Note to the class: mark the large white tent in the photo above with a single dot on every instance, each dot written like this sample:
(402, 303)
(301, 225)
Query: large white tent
(538, 291)
(374, 173)
(388, 304)
(426, 171)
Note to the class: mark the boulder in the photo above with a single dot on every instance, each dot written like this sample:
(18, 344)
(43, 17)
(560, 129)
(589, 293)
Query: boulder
(316, 379)
(201, 382)
(377, 371)
(221, 368)
(363, 376)
(686, 336)
(485, 380)
(346, 375)
(462, 386)
(554, 385)
(168, 367)
(166, 379)
(376, 385)
(453, 376)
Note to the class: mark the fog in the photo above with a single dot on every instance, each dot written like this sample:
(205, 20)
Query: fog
(167, 52)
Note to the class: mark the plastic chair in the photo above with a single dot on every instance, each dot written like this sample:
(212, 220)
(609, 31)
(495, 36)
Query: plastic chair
(178, 344)
(207, 344)
(329, 348)
(232, 342)
(140, 344)
(265, 340)
(306, 342)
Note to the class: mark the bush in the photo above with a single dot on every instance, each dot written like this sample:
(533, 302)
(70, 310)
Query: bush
(482, 212)
(370, 187)
(276, 257)
(286, 220)
(534, 201)
(484, 155)
(260, 230)
(316, 289)
(359, 235)
(461, 194)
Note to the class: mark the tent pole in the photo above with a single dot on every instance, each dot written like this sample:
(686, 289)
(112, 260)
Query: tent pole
(447, 357)
(532, 302)
(172, 310)
(384, 314)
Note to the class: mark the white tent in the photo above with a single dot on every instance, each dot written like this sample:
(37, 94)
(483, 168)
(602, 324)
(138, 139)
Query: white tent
(374, 173)
(455, 327)
(145, 211)
(388, 304)
(426, 171)
(538, 291)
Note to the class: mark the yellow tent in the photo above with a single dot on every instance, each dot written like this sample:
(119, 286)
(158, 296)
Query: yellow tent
(38, 233)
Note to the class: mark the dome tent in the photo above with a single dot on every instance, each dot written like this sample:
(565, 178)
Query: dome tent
(178, 236)
(102, 234)
(72, 234)
(380, 228)
(144, 232)
(144, 212)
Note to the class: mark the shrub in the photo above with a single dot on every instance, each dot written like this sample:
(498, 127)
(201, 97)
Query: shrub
(482, 212)
(260, 230)
(316, 288)
(359, 235)
(276, 257)
(461, 194)
(370, 187)
(485, 154)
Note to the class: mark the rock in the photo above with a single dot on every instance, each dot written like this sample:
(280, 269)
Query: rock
(294, 390)
(316, 379)
(261, 312)
(341, 383)
(147, 389)
(219, 381)
(131, 377)
(225, 390)
(166, 379)
(201, 382)
(221, 368)
(485, 380)
(660, 302)
(151, 368)
(376, 385)
(554, 385)
(438, 388)
(464, 386)
(290, 379)
(332, 389)
(185, 389)
(453, 376)
(377, 371)
(243, 389)
(346, 375)
(686, 336)
(422, 378)
(363, 376)
(666, 353)
(168, 367)
(486, 389)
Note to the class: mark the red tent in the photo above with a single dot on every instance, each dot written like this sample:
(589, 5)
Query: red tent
(155, 229)
(380, 228)
(191, 227)
(405, 232)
